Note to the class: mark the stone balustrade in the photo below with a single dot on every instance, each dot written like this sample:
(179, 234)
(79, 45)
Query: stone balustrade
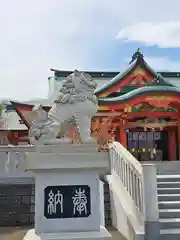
(130, 173)
(139, 182)
(12, 161)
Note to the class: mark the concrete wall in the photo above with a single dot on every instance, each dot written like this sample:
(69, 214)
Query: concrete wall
(168, 167)
(46, 178)
(101, 187)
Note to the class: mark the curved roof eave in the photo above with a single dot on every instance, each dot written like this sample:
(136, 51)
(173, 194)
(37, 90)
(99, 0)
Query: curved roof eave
(115, 79)
(28, 105)
(159, 75)
(120, 76)
(138, 92)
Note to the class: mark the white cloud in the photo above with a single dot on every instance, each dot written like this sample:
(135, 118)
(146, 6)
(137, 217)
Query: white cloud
(162, 34)
(43, 34)
(38, 35)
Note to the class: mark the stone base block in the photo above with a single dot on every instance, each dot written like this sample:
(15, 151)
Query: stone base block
(100, 235)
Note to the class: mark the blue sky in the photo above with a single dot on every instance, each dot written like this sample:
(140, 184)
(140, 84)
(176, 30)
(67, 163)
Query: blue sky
(38, 35)
(117, 56)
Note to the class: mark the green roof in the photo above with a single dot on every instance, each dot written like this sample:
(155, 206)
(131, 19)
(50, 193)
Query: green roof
(137, 60)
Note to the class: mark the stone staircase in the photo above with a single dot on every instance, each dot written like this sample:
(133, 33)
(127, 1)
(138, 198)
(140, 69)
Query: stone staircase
(169, 206)
(107, 206)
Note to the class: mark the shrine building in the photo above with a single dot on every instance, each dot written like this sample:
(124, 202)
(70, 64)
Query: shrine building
(144, 106)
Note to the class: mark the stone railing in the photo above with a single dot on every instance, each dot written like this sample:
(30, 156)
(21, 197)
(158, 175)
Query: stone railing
(138, 180)
(12, 160)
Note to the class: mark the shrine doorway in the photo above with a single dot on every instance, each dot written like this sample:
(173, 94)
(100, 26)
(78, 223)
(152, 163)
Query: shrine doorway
(148, 145)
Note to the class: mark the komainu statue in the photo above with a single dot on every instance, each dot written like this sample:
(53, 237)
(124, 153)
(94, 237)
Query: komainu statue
(75, 103)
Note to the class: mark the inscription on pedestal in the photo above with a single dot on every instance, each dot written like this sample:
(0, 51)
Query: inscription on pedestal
(67, 201)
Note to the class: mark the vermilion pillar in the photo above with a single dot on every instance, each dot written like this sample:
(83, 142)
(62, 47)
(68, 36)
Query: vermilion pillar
(123, 137)
(178, 129)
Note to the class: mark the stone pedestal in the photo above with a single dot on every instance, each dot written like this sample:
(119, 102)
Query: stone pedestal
(68, 199)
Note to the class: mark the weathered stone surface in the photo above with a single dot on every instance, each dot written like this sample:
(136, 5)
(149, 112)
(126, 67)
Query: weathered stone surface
(75, 104)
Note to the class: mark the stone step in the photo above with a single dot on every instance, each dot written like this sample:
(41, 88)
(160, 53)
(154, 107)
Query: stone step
(169, 204)
(168, 178)
(168, 197)
(168, 190)
(168, 184)
(116, 235)
(170, 234)
(169, 213)
(169, 223)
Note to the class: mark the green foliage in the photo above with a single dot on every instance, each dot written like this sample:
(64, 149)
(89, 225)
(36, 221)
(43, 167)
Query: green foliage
(1, 109)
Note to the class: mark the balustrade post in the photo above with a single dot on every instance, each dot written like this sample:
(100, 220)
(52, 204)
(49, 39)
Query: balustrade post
(151, 210)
